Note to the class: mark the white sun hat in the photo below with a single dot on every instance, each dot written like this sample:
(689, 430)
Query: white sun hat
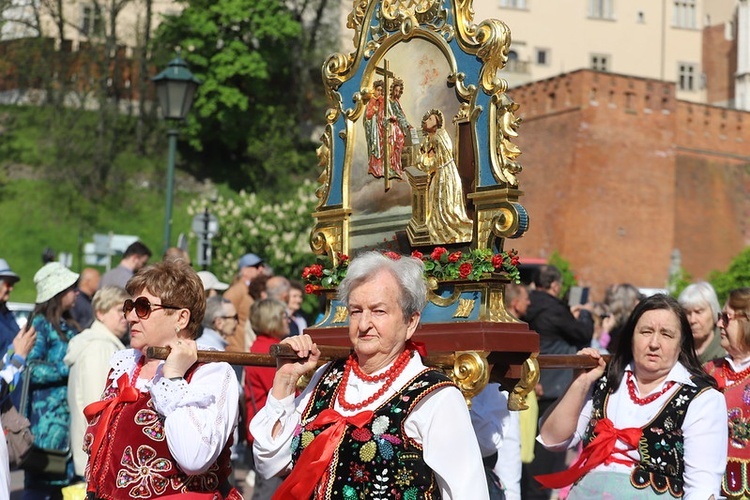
(211, 282)
(52, 279)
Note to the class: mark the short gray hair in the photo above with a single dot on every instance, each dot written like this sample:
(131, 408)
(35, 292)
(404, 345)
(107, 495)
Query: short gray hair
(108, 297)
(698, 294)
(408, 272)
(214, 309)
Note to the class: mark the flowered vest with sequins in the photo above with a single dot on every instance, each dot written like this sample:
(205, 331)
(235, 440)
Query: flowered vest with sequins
(378, 461)
(134, 460)
(736, 480)
(661, 445)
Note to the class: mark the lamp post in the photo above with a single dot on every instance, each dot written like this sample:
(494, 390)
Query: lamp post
(175, 88)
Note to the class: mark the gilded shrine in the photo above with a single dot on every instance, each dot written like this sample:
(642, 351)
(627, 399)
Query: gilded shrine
(418, 154)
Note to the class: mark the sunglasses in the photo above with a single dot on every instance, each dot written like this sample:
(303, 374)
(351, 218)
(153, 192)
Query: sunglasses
(235, 317)
(143, 307)
(724, 318)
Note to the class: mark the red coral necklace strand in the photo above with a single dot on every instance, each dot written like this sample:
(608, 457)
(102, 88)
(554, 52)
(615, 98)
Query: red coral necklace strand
(648, 399)
(387, 377)
(730, 374)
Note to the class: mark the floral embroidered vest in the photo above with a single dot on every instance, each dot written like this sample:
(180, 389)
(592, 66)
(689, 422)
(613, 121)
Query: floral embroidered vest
(137, 463)
(378, 461)
(736, 480)
(661, 445)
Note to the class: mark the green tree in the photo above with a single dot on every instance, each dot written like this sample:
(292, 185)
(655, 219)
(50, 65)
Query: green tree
(568, 276)
(244, 126)
(736, 276)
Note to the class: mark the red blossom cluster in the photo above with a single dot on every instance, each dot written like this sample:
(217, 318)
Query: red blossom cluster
(313, 270)
(440, 264)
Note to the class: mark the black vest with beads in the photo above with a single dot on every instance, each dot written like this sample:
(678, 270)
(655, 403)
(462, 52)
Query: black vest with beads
(661, 445)
(379, 460)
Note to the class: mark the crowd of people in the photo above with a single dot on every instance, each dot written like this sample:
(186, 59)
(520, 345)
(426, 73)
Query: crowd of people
(665, 412)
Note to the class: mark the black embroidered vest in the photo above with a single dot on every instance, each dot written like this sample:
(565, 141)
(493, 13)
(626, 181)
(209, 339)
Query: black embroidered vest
(661, 445)
(379, 460)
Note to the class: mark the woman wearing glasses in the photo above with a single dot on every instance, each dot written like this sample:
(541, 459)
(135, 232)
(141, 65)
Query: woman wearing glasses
(163, 427)
(219, 323)
(733, 376)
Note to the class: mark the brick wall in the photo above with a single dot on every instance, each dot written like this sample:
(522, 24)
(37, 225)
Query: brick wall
(617, 175)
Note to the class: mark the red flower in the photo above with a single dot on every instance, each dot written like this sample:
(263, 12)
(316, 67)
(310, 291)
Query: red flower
(309, 289)
(359, 473)
(417, 254)
(392, 255)
(437, 253)
(363, 434)
(316, 270)
(515, 260)
(454, 257)
(343, 257)
(465, 269)
(497, 261)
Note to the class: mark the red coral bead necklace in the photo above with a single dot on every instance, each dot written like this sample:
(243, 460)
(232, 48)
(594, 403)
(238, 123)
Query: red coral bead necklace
(387, 377)
(730, 374)
(648, 399)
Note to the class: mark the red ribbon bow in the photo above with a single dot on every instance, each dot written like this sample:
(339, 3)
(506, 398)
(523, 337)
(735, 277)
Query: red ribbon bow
(314, 459)
(413, 345)
(598, 451)
(126, 394)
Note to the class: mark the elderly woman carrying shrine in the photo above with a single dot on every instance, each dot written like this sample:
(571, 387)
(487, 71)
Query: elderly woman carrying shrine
(651, 422)
(379, 424)
(163, 428)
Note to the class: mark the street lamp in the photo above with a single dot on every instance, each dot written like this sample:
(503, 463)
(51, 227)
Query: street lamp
(175, 88)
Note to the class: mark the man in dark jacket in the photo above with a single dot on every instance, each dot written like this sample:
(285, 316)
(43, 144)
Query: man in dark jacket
(561, 330)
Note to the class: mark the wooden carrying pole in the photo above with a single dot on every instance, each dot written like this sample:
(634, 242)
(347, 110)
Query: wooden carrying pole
(328, 353)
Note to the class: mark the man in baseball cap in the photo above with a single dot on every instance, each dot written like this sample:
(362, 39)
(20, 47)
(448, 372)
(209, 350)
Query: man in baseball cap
(8, 325)
(248, 267)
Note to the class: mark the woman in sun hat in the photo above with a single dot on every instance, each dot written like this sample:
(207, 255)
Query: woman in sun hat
(48, 391)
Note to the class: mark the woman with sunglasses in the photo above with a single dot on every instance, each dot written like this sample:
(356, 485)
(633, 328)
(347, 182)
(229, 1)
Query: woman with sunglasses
(163, 428)
(732, 373)
(47, 401)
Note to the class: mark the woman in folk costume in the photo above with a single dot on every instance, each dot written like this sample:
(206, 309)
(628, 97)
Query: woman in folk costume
(651, 422)
(733, 376)
(378, 424)
(163, 428)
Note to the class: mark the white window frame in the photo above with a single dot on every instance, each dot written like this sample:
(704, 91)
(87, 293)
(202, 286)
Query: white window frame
(684, 14)
(600, 62)
(513, 4)
(92, 20)
(602, 9)
(687, 77)
(545, 53)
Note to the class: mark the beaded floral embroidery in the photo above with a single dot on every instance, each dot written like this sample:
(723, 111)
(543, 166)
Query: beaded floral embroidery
(145, 471)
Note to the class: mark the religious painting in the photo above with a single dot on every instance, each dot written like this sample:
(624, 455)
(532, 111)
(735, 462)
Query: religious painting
(418, 151)
(415, 74)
